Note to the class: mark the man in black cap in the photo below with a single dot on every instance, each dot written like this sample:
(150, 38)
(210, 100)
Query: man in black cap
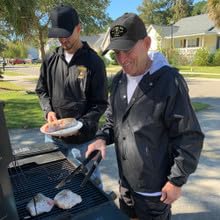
(150, 119)
(72, 81)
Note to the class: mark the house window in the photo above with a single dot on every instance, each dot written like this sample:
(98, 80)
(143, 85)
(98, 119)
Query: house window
(197, 42)
(184, 43)
(218, 43)
(194, 42)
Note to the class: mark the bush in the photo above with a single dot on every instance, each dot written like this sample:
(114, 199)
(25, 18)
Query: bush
(112, 55)
(210, 59)
(201, 57)
(110, 79)
(216, 58)
(105, 60)
(174, 57)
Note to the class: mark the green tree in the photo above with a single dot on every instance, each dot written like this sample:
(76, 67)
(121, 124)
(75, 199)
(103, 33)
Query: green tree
(155, 11)
(29, 19)
(162, 12)
(181, 9)
(213, 7)
(2, 47)
(199, 8)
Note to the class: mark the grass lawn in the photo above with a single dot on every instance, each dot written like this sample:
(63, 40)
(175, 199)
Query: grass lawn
(4, 86)
(202, 75)
(198, 106)
(197, 69)
(207, 71)
(11, 73)
(112, 69)
(22, 110)
(200, 69)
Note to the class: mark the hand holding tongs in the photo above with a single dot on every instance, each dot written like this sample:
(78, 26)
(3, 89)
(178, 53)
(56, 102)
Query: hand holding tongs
(81, 168)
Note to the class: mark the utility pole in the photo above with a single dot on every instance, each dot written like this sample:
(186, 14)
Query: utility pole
(171, 34)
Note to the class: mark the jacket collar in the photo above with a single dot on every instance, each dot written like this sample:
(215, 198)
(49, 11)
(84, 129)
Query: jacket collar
(79, 52)
(144, 86)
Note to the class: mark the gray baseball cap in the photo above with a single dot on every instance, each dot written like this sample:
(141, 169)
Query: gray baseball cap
(125, 31)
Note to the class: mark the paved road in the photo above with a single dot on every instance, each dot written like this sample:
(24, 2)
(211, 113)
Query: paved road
(201, 196)
(27, 76)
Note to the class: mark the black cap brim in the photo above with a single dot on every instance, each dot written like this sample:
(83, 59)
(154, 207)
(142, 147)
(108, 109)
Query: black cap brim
(58, 33)
(119, 44)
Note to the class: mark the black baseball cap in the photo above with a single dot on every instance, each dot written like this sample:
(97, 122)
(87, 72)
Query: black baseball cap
(125, 31)
(63, 21)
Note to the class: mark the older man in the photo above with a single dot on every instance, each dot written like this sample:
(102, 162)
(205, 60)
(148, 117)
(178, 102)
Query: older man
(150, 119)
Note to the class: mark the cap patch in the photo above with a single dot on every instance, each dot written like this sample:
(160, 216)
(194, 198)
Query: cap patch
(118, 31)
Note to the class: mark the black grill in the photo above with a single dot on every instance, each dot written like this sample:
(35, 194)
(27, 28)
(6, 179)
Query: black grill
(30, 179)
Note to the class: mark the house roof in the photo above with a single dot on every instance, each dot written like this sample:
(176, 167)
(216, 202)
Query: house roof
(163, 30)
(199, 24)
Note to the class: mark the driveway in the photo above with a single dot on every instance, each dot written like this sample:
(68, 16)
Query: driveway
(201, 196)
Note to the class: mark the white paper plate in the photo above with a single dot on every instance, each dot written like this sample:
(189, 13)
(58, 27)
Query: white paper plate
(63, 132)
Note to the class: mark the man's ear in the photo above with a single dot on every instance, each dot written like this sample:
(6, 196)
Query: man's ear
(78, 28)
(147, 41)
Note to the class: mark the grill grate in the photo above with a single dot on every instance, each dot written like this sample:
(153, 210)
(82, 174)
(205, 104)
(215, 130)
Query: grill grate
(43, 178)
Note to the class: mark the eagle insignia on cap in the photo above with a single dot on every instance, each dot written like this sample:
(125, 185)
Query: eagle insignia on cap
(118, 31)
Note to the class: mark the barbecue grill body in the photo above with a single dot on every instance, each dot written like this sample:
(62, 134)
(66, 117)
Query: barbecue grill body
(40, 174)
(7, 202)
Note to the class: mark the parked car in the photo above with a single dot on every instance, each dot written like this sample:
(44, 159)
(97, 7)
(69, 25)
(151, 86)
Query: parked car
(2, 62)
(17, 61)
(28, 60)
(36, 60)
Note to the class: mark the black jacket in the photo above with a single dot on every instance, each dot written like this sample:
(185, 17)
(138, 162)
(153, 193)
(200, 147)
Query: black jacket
(157, 135)
(77, 89)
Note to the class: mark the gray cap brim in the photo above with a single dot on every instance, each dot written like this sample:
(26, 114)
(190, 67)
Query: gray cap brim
(119, 44)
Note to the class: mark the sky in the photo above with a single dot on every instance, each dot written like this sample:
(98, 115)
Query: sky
(119, 7)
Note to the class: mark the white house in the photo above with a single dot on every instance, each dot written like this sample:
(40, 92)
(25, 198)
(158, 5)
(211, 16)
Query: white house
(187, 35)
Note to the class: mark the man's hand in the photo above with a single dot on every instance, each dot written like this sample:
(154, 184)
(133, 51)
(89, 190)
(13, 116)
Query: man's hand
(170, 193)
(99, 144)
(51, 116)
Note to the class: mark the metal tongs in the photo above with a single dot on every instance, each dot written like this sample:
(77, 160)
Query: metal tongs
(82, 168)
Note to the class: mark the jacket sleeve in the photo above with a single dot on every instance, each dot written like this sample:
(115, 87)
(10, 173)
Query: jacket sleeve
(185, 135)
(107, 131)
(97, 98)
(42, 89)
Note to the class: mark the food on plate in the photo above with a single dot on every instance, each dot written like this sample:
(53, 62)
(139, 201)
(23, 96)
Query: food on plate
(66, 199)
(60, 124)
(39, 204)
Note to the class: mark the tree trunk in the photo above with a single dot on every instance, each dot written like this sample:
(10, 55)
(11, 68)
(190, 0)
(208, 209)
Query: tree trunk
(41, 41)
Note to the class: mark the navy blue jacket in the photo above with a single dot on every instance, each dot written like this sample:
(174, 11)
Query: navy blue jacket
(77, 89)
(157, 135)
